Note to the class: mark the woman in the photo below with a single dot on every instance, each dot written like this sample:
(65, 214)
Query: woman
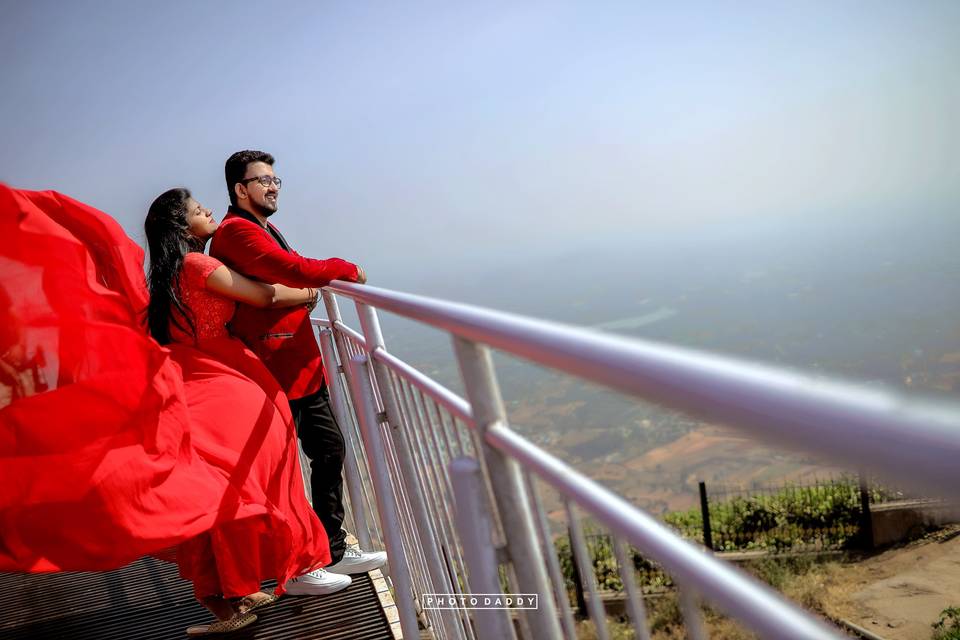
(240, 419)
(130, 448)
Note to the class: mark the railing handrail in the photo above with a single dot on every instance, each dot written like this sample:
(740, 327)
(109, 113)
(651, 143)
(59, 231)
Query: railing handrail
(914, 442)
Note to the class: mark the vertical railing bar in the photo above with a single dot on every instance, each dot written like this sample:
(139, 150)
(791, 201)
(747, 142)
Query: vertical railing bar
(403, 421)
(628, 576)
(443, 456)
(435, 453)
(417, 561)
(404, 595)
(476, 443)
(459, 579)
(552, 559)
(692, 615)
(461, 566)
(435, 499)
(458, 428)
(354, 478)
(477, 447)
(453, 445)
(469, 440)
(416, 423)
(402, 499)
(465, 443)
(356, 350)
(584, 564)
(344, 345)
(425, 467)
(441, 413)
(416, 451)
(350, 524)
(352, 350)
(522, 621)
(468, 448)
(401, 391)
(444, 501)
(435, 456)
(473, 522)
(410, 430)
(350, 347)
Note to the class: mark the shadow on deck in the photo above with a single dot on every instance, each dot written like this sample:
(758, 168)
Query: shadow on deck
(147, 600)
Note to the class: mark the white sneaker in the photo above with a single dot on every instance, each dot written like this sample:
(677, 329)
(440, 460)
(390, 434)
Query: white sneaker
(317, 583)
(356, 561)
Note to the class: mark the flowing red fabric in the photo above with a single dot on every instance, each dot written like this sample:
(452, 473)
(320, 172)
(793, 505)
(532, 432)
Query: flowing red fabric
(113, 447)
(241, 422)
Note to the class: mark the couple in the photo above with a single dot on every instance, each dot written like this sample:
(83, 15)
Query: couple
(272, 320)
(193, 445)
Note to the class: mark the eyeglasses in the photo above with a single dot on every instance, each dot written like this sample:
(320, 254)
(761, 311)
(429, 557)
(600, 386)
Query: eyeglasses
(264, 181)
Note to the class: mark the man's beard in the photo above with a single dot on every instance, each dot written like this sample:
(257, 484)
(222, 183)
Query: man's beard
(262, 210)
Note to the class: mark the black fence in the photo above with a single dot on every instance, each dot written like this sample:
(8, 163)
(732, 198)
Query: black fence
(823, 515)
(826, 514)
(830, 514)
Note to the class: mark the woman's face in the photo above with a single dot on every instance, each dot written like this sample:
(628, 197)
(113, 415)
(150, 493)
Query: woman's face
(200, 220)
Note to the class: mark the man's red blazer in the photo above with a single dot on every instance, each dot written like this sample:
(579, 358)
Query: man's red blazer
(282, 338)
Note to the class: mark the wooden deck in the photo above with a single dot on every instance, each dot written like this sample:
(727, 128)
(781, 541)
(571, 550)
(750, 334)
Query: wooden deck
(148, 601)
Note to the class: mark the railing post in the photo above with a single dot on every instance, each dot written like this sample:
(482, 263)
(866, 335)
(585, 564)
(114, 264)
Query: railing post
(583, 566)
(705, 515)
(366, 409)
(635, 607)
(342, 412)
(692, 614)
(333, 314)
(475, 527)
(552, 560)
(425, 532)
(522, 542)
(866, 518)
(342, 344)
(578, 593)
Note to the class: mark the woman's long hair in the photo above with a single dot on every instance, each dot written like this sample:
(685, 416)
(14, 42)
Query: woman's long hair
(168, 241)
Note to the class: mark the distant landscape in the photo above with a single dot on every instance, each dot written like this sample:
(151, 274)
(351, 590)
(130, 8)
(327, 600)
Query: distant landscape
(875, 301)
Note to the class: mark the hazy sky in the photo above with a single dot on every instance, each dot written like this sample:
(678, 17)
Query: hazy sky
(420, 137)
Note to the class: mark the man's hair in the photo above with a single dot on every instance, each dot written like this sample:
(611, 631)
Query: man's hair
(236, 168)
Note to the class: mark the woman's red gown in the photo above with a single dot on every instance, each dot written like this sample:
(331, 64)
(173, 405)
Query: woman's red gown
(113, 447)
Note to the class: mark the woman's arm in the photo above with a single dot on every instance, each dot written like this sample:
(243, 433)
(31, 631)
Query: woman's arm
(231, 284)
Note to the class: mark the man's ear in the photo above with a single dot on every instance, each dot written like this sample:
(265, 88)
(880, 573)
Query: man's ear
(240, 191)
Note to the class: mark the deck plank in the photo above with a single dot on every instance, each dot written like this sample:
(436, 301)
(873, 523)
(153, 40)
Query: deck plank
(149, 601)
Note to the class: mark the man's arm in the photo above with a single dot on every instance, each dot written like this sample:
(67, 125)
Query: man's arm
(248, 249)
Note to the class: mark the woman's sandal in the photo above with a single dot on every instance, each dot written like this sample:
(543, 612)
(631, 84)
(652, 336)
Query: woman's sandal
(266, 601)
(237, 622)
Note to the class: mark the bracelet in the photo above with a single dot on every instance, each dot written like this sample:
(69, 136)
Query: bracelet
(314, 298)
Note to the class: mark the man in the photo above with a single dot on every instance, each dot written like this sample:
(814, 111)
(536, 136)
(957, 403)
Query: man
(284, 340)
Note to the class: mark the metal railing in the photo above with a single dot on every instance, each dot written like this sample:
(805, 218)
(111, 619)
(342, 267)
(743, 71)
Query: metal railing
(457, 493)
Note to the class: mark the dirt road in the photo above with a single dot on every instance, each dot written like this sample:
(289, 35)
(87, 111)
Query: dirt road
(898, 594)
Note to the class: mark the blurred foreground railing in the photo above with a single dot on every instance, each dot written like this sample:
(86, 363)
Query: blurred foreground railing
(455, 495)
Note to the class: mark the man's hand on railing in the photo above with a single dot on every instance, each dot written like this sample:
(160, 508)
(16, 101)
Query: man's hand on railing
(361, 275)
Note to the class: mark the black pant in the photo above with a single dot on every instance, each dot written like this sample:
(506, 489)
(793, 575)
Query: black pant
(323, 443)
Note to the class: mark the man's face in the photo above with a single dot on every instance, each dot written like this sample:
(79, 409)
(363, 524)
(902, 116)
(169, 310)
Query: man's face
(262, 199)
